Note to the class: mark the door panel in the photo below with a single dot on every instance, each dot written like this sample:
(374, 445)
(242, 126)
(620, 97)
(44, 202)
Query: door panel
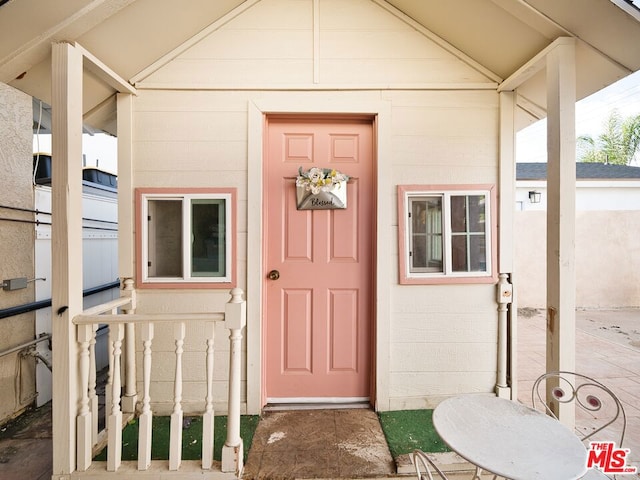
(343, 345)
(344, 229)
(297, 229)
(297, 330)
(318, 313)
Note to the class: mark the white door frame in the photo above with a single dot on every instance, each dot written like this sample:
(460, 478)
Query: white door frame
(319, 103)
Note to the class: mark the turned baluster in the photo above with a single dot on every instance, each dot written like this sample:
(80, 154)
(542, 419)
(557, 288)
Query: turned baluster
(175, 443)
(146, 416)
(93, 395)
(208, 417)
(114, 435)
(83, 420)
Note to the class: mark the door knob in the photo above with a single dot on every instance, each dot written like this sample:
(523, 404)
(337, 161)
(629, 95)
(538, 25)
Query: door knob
(274, 275)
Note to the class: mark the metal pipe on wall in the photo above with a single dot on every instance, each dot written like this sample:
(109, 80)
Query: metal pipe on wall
(30, 307)
(43, 337)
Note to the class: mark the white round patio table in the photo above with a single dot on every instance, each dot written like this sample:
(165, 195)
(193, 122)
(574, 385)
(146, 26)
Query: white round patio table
(509, 439)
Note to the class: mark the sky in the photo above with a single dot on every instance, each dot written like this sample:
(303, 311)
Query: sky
(98, 150)
(591, 114)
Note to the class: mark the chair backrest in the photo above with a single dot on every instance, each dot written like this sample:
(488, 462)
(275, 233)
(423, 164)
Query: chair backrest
(597, 407)
(423, 465)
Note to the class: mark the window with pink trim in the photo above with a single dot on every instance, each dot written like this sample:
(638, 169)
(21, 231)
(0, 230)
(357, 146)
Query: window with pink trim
(186, 236)
(446, 234)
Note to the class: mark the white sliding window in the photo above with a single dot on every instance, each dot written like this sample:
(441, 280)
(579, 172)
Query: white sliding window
(186, 237)
(445, 233)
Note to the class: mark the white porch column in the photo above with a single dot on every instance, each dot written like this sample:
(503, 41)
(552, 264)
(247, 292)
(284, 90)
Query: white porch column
(126, 209)
(66, 242)
(126, 206)
(561, 187)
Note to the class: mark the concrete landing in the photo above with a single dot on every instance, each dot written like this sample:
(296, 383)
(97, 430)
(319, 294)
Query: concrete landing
(319, 444)
(26, 447)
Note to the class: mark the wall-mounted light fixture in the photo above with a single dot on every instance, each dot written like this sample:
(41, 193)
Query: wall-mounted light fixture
(534, 196)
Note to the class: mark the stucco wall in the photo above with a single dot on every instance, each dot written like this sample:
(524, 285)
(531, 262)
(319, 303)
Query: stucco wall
(16, 247)
(192, 129)
(607, 259)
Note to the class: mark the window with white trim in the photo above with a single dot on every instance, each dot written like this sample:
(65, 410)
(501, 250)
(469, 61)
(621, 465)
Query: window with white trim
(186, 237)
(445, 234)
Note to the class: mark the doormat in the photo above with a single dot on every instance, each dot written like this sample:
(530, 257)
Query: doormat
(407, 430)
(191, 438)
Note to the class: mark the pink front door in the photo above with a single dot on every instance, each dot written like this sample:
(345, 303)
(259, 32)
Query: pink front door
(318, 312)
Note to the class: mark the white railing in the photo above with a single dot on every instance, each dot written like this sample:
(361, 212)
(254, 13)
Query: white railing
(122, 339)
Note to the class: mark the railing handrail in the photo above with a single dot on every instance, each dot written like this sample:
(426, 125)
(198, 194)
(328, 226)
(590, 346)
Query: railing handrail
(105, 307)
(91, 318)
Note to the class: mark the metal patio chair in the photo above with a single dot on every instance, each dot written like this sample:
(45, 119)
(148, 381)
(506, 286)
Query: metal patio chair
(423, 465)
(597, 408)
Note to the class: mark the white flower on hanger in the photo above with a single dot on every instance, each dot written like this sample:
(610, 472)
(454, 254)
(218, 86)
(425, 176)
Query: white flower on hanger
(320, 179)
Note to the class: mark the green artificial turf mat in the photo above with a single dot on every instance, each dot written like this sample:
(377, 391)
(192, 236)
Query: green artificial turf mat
(191, 438)
(407, 430)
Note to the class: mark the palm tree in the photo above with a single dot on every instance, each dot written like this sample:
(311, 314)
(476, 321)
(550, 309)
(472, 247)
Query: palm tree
(618, 144)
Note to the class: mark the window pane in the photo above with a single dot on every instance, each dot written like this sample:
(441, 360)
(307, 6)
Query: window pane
(208, 249)
(426, 234)
(165, 238)
(418, 216)
(458, 213)
(459, 253)
(478, 253)
(476, 213)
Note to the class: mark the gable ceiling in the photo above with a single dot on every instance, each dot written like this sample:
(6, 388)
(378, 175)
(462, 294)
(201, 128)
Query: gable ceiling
(501, 36)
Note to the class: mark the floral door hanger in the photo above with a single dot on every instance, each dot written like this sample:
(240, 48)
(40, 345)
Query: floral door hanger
(321, 189)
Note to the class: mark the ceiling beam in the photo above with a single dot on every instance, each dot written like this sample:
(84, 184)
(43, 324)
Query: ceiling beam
(533, 109)
(104, 73)
(532, 67)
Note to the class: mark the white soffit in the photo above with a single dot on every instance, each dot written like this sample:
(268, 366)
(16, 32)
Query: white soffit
(500, 35)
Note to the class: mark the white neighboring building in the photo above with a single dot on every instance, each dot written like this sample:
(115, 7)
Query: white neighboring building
(599, 186)
(99, 252)
(607, 220)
